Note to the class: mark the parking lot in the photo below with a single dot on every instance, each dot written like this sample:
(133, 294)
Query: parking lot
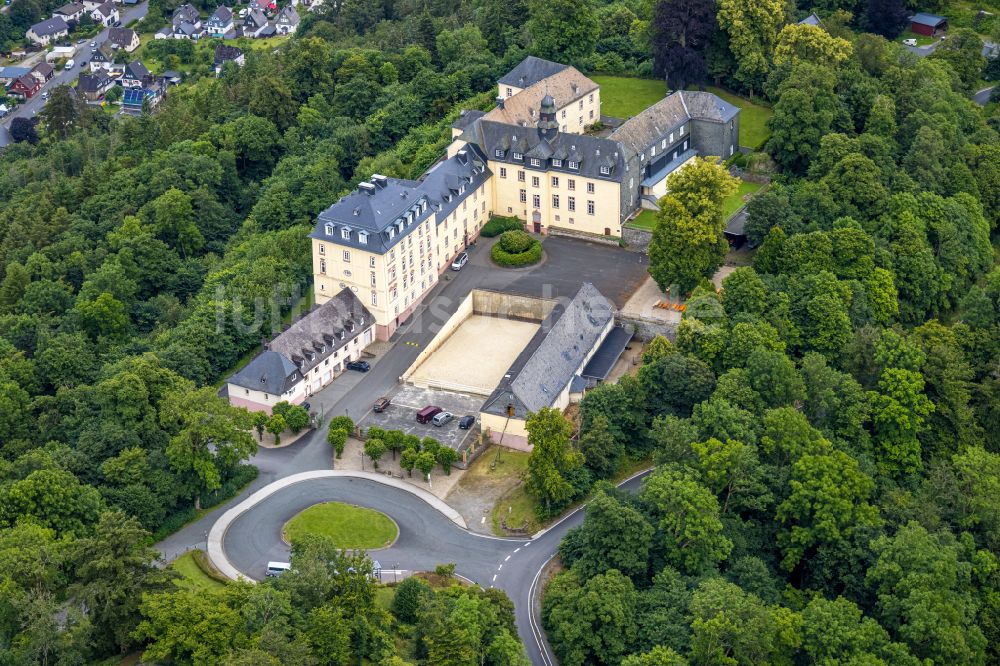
(401, 414)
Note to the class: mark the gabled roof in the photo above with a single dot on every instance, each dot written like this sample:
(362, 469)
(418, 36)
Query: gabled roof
(931, 20)
(28, 82)
(106, 9)
(255, 18)
(222, 14)
(707, 106)
(812, 19)
(136, 70)
(449, 182)
(288, 15)
(102, 53)
(185, 14)
(121, 36)
(306, 344)
(93, 82)
(51, 26)
(70, 9)
(43, 68)
(555, 355)
(224, 52)
(466, 117)
(530, 71)
(565, 86)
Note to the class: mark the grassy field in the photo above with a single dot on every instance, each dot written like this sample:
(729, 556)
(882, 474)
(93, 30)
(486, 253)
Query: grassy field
(623, 96)
(192, 577)
(735, 201)
(349, 526)
(922, 40)
(753, 117)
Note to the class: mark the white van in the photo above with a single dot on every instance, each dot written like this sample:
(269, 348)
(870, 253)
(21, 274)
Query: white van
(69, 64)
(910, 42)
(277, 568)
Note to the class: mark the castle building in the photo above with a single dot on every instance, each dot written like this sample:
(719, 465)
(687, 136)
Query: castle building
(529, 157)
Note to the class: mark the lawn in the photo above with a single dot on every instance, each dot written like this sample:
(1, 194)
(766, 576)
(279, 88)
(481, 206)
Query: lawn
(192, 577)
(753, 117)
(735, 201)
(349, 526)
(646, 219)
(922, 40)
(623, 96)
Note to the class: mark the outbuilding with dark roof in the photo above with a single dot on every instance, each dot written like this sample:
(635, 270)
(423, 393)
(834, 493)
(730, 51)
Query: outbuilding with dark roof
(928, 24)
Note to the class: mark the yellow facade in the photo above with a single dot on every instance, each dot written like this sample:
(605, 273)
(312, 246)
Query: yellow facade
(555, 199)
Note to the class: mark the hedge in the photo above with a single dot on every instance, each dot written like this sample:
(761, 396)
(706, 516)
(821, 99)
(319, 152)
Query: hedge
(207, 568)
(513, 240)
(498, 225)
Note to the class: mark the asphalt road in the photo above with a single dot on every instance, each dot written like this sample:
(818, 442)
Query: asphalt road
(982, 97)
(35, 104)
(426, 539)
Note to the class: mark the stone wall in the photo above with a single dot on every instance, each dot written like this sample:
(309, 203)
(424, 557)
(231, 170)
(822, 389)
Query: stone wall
(636, 240)
(647, 329)
(510, 306)
(596, 238)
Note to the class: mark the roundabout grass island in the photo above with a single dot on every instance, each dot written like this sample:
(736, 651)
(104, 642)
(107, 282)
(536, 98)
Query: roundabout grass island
(350, 527)
(516, 248)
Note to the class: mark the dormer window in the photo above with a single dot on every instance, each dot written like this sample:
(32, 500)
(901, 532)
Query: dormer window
(574, 165)
(392, 233)
(535, 162)
(556, 163)
(328, 229)
(363, 237)
(605, 170)
(518, 156)
(345, 233)
(498, 152)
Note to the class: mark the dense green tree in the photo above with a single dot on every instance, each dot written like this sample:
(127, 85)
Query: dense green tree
(563, 30)
(752, 28)
(613, 536)
(899, 410)
(591, 621)
(681, 31)
(553, 461)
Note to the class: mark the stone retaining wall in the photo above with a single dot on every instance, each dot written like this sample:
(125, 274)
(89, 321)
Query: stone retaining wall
(646, 329)
(636, 240)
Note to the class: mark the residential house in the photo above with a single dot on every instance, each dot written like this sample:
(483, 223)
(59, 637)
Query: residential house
(557, 356)
(93, 86)
(287, 21)
(303, 359)
(225, 53)
(25, 86)
(71, 12)
(186, 14)
(137, 100)
(930, 25)
(166, 32)
(106, 14)
(102, 57)
(91, 5)
(123, 38)
(187, 31)
(44, 32)
(135, 75)
(220, 23)
(43, 71)
(254, 23)
(9, 74)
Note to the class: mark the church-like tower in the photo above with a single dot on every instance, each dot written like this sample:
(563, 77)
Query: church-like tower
(548, 126)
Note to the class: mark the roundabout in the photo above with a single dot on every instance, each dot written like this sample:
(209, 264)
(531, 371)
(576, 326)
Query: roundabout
(430, 532)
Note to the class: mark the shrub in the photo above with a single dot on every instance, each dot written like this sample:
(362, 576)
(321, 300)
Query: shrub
(200, 558)
(445, 570)
(409, 596)
(342, 423)
(498, 225)
(337, 439)
(516, 248)
(446, 457)
(297, 418)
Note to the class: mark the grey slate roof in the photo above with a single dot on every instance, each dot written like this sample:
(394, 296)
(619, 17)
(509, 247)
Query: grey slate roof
(13, 72)
(51, 26)
(306, 344)
(707, 106)
(377, 208)
(224, 52)
(92, 83)
(121, 36)
(555, 355)
(812, 19)
(136, 70)
(648, 127)
(288, 16)
(529, 71)
(590, 152)
(70, 9)
(456, 177)
(221, 16)
(255, 19)
(466, 117)
(931, 20)
(185, 14)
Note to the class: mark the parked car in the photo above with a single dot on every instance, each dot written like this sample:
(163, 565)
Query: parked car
(442, 418)
(380, 405)
(93, 45)
(466, 422)
(81, 41)
(306, 406)
(461, 260)
(277, 568)
(427, 413)
(360, 366)
(117, 24)
(910, 42)
(69, 64)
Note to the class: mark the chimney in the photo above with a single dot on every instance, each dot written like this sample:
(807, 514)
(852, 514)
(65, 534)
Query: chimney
(499, 102)
(367, 188)
(379, 180)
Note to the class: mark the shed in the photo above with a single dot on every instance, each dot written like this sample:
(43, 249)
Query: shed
(928, 24)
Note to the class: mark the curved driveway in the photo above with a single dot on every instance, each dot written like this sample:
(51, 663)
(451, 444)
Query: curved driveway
(426, 538)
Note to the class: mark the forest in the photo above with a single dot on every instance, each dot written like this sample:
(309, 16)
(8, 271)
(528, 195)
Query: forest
(825, 428)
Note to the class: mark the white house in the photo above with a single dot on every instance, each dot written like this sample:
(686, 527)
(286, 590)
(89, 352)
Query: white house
(105, 14)
(71, 12)
(220, 23)
(45, 31)
(287, 21)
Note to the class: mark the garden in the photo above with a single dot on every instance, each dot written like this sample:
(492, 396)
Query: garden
(516, 248)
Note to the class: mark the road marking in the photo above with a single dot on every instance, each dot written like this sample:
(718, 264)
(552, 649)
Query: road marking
(517, 549)
(527, 544)
(494, 578)
(506, 558)
(536, 630)
(483, 521)
(499, 567)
